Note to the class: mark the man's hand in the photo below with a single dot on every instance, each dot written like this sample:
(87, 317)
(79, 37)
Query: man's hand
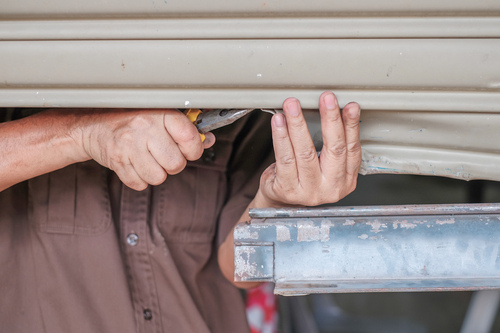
(300, 176)
(142, 147)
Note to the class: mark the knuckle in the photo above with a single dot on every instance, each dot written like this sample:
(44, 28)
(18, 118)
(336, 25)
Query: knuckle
(126, 136)
(287, 193)
(308, 155)
(338, 150)
(115, 160)
(177, 165)
(158, 178)
(351, 125)
(287, 160)
(187, 134)
(136, 184)
(141, 120)
(195, 153)
(354, 147)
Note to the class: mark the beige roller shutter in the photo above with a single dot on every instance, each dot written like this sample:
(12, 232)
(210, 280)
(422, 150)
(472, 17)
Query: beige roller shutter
(426, 73)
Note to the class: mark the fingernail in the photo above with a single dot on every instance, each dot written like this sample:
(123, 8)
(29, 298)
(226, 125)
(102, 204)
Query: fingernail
(293, 107)
(353, 112)
(279, 120)
(330, 101)
(209, 139)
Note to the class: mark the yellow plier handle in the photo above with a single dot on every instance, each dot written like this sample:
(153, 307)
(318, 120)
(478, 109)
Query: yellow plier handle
(193, 115)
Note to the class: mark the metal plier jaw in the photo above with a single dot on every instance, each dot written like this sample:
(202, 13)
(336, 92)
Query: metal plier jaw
(210, 120)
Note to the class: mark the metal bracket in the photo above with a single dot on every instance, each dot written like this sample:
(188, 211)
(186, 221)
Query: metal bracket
(369, 249)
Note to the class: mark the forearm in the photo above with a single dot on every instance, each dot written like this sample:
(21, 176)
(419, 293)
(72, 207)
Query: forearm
(226, 250)
(226, 254)
(37, 145)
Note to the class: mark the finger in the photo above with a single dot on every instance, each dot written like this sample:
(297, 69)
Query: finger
(333, 158)
(305, 153)
(184, 134)
(286, 167)
(209, 140)
(267, 184)
(148, 168)
(129, 177)
(166, 153)
(351, 116)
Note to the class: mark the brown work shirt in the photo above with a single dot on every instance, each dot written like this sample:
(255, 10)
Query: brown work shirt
(80, 252)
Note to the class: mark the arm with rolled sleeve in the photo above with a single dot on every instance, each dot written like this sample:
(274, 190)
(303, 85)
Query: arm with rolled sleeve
(141, 146)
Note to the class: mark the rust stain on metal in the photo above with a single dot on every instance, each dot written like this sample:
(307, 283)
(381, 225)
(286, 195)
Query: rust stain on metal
(245, 233)
(283, 233)
(376, 226)
(403, 224)
(243, 267)
(349, 222)
(308, 232)
(325, 230)
(449, 221)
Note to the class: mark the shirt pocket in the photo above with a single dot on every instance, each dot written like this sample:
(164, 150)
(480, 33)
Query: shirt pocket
(72, 200)
(189, 204)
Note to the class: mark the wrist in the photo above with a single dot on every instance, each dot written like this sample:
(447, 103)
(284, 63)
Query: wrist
(71, 135)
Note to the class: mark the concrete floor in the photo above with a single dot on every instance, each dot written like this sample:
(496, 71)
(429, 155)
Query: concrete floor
(433, 312)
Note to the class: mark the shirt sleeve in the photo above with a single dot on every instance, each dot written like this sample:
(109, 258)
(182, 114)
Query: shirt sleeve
(252, 154)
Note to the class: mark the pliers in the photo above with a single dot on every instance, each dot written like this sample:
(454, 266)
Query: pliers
(210, 120)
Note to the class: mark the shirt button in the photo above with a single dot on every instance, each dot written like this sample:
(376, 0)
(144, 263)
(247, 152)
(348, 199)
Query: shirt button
(148, 315)
(132, 239)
